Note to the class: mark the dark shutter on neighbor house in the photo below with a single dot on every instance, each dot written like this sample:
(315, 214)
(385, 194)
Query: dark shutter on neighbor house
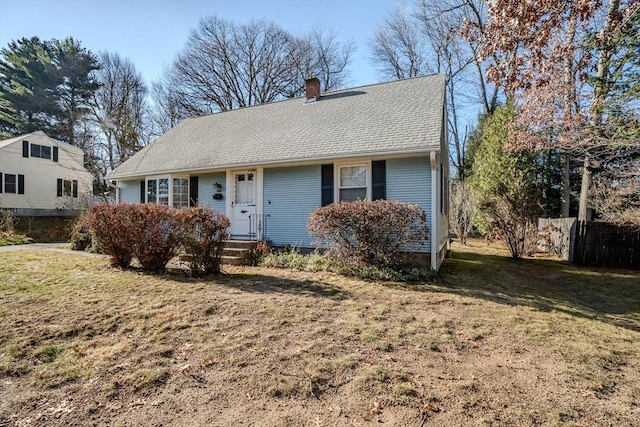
(25, 148)
(327, 184)
(55, 154)
(75, 188)
(20, 184)
(193, 191)
(0, 182)
(143, 191)
(59, 189)
(378, 180)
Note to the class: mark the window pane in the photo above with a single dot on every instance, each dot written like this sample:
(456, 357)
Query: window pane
(152, 191)
(67, 188)
(9, 183)
(35, 150)
(353, 194)
(244, 189)
(180, 192)
(45, 152)
(353, 176)
(163, 191)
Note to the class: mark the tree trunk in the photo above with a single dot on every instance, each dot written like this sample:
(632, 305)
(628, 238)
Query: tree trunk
(606, 50)
(565, 197)
(584, 190)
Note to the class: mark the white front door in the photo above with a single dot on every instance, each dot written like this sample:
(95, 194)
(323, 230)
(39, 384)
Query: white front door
(243, 205)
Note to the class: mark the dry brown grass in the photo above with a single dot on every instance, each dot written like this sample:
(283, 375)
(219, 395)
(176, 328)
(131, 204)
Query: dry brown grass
(495, 341)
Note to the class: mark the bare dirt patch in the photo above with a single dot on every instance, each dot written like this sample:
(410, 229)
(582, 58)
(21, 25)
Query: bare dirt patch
(495, 341)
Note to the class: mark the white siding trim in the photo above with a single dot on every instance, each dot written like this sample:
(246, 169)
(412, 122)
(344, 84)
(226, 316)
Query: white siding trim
(435, 212)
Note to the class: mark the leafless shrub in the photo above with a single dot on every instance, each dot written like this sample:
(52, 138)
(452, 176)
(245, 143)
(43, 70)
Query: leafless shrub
(7, 221)
(369, 233)
(463, 209)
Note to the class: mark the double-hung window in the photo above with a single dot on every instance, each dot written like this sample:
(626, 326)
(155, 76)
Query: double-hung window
(10, 183)
(180, 192)
(352, 181)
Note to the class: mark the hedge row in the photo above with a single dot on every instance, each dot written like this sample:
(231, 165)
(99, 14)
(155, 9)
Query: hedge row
(155, 233)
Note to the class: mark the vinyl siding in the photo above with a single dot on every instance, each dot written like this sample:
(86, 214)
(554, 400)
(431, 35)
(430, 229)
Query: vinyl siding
(409, 180)
(290, 194)
(41, 175)
(206, 191)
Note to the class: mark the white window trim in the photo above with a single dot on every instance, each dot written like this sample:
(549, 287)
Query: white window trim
(170, 179)
(336, 178)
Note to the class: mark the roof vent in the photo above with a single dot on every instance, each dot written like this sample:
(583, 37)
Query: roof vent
(311, 89)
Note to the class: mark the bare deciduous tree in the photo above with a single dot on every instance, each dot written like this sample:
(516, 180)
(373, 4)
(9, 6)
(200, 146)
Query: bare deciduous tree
(398, 47)
(463, 206)
(166, 111)
(226, 66)
(319, 54)
(547, 52)
(120, 110)
(440, 36)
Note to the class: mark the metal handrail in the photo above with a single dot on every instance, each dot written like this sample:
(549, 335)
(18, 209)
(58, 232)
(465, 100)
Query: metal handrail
(258, 226)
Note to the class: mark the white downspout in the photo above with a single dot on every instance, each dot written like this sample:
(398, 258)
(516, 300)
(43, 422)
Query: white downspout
(435, 223)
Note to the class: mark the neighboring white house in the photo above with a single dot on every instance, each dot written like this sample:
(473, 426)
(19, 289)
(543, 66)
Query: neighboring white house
(268, 166)
(41, 176)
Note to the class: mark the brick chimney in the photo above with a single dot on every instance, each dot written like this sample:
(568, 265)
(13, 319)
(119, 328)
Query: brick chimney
(312, 89)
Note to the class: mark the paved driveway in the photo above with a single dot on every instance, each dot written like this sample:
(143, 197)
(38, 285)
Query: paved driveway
(10, 248)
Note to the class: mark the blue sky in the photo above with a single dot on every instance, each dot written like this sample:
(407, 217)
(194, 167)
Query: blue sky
(151, 32)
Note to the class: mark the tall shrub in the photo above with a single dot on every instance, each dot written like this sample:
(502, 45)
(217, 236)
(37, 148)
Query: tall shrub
(370, 233)
(156, 234)
(202, 234)
(113, 229)
(463, 209)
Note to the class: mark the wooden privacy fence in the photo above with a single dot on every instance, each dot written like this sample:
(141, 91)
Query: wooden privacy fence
(557, 236)
(609, 245)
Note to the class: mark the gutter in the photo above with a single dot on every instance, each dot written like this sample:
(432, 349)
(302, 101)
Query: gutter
(275, 163)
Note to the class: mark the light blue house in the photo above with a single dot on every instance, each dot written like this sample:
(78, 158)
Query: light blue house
(268, 166)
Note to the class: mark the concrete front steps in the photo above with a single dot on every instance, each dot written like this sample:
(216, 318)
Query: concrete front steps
(238, 252)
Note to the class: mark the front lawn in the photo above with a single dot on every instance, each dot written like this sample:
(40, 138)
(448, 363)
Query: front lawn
(493, 341)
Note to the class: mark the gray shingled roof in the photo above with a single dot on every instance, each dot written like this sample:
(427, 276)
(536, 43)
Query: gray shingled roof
(394, 117)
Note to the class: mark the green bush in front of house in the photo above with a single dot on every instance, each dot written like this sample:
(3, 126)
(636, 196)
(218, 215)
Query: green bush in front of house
(315, 262)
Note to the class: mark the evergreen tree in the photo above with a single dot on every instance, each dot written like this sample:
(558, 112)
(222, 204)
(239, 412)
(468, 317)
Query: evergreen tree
(506, 184)
(45, 85)
(73, 71)
(27, 86)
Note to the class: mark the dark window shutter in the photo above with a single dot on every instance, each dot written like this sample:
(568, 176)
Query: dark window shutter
(193, 191)
(378, 180)
(55, 154)
(59, 192)
(20, 184)
(75, 188)
(25, 148)
(327, 184)
(143, 191)
(0, 182)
